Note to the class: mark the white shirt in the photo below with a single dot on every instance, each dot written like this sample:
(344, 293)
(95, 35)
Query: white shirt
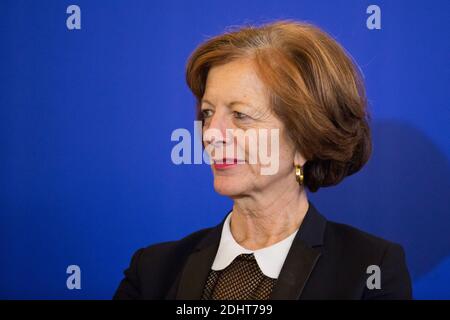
(270, 259)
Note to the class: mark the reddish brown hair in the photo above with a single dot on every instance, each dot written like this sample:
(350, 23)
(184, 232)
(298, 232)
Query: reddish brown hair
(316, 90)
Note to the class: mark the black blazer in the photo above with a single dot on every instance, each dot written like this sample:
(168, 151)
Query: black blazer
(327, 260)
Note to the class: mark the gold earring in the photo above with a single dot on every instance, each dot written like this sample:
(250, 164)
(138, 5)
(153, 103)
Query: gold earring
(299, 174)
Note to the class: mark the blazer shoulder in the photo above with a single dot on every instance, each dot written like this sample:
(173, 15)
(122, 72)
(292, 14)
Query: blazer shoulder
(357, 240)
(175, 248)
(358, 250)
(153, 269)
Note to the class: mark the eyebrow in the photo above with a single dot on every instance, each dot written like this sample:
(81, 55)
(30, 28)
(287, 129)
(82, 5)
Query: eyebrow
(232, 103)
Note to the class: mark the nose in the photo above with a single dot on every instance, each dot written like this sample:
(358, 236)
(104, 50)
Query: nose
(215, 130)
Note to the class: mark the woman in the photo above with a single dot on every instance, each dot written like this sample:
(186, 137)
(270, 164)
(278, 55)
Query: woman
(294, 79)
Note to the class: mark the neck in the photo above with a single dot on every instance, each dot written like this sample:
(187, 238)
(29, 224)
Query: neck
(261, 221)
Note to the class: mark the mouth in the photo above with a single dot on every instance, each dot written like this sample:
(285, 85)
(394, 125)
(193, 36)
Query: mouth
(226, 163)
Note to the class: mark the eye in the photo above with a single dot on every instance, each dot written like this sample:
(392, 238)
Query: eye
(206, 113)
(240, 115)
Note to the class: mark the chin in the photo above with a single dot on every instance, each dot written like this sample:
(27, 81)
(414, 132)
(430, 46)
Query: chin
(229, 186)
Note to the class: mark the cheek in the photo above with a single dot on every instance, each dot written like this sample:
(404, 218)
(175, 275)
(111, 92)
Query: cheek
(284, 154)
(260, 150)
(286, 151)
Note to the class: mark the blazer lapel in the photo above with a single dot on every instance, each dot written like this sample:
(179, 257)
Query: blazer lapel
(302, 257)
(198, 265)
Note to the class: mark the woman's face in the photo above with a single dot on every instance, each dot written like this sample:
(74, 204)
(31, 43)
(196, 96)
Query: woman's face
(235, 99)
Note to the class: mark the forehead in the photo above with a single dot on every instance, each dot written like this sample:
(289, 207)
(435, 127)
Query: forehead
(235, 80)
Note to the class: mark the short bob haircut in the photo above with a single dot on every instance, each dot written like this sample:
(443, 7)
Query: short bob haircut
(315, 88)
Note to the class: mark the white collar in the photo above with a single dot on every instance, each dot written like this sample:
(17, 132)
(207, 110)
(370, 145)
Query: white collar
(270, 259)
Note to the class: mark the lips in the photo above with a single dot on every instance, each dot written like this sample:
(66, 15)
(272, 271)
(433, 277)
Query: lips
(226, 163)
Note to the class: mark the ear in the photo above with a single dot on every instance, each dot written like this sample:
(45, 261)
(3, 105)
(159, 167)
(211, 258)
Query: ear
(299, 159)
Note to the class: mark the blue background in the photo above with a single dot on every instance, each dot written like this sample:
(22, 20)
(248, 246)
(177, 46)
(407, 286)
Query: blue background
(86, 117)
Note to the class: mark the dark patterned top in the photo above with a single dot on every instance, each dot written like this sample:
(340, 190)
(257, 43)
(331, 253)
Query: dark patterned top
(241, 280)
